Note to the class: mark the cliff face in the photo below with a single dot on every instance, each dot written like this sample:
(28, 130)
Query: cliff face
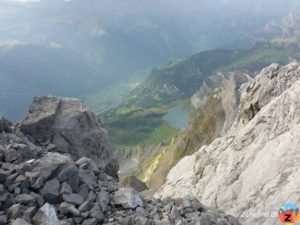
(217, 102)
(132, 159)
(253, 168)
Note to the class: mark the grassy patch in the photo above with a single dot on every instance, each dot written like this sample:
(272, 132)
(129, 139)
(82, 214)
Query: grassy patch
(164, 133)
(132, 125)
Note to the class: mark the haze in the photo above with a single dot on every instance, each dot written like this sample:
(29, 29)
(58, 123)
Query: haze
(85, 49)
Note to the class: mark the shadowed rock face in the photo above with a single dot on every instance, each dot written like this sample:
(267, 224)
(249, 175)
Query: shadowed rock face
(71, 127)
(4, 125)
(253, 168)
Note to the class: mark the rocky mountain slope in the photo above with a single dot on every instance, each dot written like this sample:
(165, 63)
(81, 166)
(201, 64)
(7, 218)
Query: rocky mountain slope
(217, 103)
(46, 177)
(254, 167)
(210, 81)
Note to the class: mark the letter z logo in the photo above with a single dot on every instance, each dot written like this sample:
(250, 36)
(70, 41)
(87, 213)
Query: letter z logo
(288, 218)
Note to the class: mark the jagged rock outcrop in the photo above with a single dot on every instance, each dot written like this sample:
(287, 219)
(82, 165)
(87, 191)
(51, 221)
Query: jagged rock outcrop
(217, 102)
(135, 183)
(131, 159)
(226, 87)
(71, 127)
(4, 125)
(46, 186)
(254, 168)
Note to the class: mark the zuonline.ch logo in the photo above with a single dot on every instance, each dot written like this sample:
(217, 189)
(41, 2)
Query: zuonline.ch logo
(289, 214)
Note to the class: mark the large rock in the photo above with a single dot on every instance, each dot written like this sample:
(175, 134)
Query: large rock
(5, 125)
(45, 215)
(71, 127)
(254, 168)
(128, 198)
(20, 222)
(50, 191)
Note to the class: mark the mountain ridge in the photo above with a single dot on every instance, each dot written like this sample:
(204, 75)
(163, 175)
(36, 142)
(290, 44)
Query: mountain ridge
(243, 171)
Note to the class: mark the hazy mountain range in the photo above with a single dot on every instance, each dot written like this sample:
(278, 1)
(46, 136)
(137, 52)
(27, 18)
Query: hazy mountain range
(79, 48)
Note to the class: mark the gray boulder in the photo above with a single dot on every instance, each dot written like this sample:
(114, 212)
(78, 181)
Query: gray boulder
(5, 125)
(3, 219)
(128, 198)
(50, 191)
(20, 222)
(73, 129)
(45, 215)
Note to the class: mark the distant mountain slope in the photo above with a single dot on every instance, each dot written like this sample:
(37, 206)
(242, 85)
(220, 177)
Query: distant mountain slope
(118, 40)
(139, 116)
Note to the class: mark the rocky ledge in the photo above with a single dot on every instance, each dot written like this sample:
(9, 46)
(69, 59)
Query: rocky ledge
(47, 178)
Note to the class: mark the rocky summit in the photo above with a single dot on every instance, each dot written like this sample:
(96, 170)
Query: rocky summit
(254, 167)
(71, 127)
(57, 168)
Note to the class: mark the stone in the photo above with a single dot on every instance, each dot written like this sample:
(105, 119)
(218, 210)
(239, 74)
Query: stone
(83, 191)
(3, 175)
(96, 213)
(20, 222)
(29, 213)
(85, 206)
(128, 198)
(5, 125)
(45, 215)
(38, 183)
(24, 199)
(50, 191)
(48, 166)
(64, 208)
(222, 222)
(175, 214)
(11, 155)
(10, 179)
(3, 219)
(23, 167)
(140, 211)
(104, 200)
(65, 189)
(88, 178)
(69, 174)
(92, 221)
(4, 197)
(72, 127)
(232, 220)
(73, 199)
(38, 198)
(87, 164)
(205, 219)
(136, 184)
(15, 211)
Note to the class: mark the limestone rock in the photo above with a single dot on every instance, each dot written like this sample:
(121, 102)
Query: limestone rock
(71, 127)
(249, 170)
(45, 215)
(20, 222)
(5, 125)
(128, 198)
(50, 191)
